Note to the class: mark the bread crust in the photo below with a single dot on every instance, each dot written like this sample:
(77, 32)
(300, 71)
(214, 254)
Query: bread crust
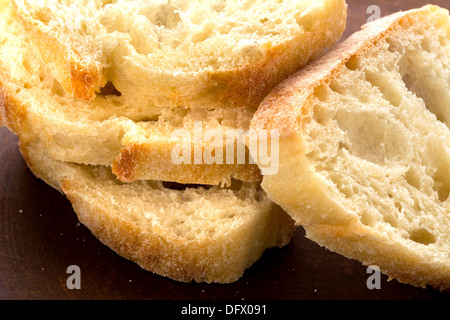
(280, 108)
(244, 86)
(175, 259)
(77, 75)
(219, 259)
(251, 84)
(141, 161)
(13, 113)
(324, 219)
(130, 161)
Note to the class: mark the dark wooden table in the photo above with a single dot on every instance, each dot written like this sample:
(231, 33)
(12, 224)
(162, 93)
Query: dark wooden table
(40, 237)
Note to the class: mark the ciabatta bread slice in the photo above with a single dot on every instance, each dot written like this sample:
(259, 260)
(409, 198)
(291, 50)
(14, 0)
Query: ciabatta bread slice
(187, 234)
(365, 147)
(162, 54)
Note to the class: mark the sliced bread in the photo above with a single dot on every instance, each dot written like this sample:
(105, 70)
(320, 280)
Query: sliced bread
(201, 234)
(112, 129)
(162, 54)
(104, 131)
(365, 147)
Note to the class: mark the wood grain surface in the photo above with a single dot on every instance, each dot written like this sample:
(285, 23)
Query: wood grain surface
(40, 237)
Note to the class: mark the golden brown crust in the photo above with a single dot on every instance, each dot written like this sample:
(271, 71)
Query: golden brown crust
(251, 84)
(244, 86)
(84, 81)
(280, 109)
(13, 113)
(142, 161)
(221, 259)
(81, 79)
(172, 258)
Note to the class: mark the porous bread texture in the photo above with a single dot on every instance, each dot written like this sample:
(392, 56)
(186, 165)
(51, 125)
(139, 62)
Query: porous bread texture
(365, 147)
(109, 130)
(196, 234)
(198, 54)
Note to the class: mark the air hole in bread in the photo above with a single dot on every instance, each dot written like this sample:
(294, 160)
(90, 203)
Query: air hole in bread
(154, 118)
(29, 68)
(390, 93)
(426, 44)
(352, 63)
(57, 89)
(83, 28)
(391, 218)
(180, 112)
(182, 187)
(422, 236)
(305, 21)
(413, 179)
(336, 87)
(442, 188)
(219, 7)
(204, 34)
(398, 205)
(217, 90)
(425, 81)
(167, 16)
(443, 41)
(320, 114)
(43, 15)
(106, 2)
(109, 90)
(320, 92)
(368, 219)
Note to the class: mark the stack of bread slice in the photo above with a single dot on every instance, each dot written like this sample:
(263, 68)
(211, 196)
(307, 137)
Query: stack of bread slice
(96, 89)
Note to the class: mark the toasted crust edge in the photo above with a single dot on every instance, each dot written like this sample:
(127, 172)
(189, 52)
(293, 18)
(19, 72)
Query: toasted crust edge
(251, 84)
(142, 161)
(184, 262)
(247, 85)
(283, 107)
(199, 261)
(78, 76)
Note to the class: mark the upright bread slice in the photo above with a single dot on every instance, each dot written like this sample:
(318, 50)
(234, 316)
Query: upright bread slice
(162, 54)
(192, 234)
(365, 147)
